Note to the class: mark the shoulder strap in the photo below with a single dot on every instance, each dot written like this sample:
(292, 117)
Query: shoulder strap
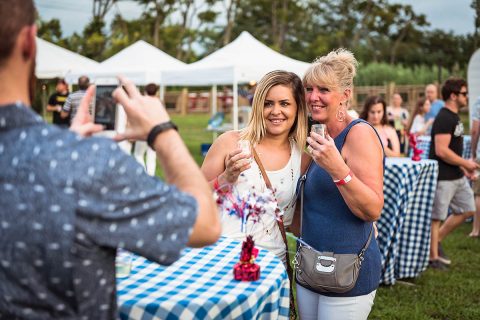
(280, 220)
(303, 178)
(262, 169)
(365, 247)
(301, 187)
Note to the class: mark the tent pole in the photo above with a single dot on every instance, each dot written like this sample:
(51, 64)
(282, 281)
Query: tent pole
(162, 93)
(235, 100)
(214, 109)
(214, 99)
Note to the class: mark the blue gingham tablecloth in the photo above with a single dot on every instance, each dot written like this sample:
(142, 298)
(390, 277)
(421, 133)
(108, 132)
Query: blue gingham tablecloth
(423, 143)
(404, 226)
(200, 285)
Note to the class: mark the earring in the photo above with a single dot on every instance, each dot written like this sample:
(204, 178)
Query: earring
(340, 114)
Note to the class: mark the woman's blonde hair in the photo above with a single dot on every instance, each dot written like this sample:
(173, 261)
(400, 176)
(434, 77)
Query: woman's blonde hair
(336, 70)
(256, 128)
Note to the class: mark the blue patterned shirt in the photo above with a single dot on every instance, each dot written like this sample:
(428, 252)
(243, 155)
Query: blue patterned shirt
(67, 204)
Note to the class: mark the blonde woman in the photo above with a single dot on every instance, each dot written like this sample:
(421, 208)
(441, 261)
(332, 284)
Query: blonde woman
(277, 130)
(343, 191)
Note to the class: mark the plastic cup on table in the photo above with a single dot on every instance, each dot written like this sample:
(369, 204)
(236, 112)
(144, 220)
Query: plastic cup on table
(123, 263)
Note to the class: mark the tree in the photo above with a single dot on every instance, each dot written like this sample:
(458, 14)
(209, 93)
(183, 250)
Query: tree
(123, 33)
(231, 8)
(157, 11)
(50, 30)
(405, 23)
(269, 22)
(100, 8)
(194, 15)
(476, 6)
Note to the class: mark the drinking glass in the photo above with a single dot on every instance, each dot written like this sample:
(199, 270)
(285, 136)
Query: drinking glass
(319, 128)
(244, 145)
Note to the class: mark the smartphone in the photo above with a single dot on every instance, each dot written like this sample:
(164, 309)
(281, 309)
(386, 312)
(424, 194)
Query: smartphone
(105, 106)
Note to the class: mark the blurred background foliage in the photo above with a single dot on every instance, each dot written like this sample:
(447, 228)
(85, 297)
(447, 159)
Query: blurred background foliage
(392, 42)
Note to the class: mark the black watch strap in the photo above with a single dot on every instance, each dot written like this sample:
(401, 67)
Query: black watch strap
(159, 128)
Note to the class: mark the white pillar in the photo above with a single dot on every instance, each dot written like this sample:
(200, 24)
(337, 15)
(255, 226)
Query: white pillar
(235, 100)
(214, 99)
(121, 127)
(162, 93)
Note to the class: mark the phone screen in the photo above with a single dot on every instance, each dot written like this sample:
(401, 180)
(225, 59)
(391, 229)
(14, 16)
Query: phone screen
(105, 106)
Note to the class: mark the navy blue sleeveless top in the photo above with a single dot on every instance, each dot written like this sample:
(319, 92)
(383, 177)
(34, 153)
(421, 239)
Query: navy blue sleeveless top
(329, 225)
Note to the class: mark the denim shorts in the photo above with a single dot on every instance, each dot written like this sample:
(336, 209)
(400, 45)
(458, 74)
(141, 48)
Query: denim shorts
(456, 195)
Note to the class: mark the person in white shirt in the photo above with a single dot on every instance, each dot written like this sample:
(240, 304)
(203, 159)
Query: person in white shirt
(418, 125)
(398, 118)
(277, 130)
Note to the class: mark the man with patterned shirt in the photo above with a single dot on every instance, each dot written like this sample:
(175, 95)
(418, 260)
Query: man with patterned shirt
(68, 205)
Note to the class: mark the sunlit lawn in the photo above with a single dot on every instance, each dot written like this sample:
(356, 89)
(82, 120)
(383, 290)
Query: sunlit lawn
(454, 294)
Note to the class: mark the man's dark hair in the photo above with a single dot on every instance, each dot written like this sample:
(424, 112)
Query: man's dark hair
(61, 81)
(151, 89)
(452, 85)
(14, 15)
(83, 83)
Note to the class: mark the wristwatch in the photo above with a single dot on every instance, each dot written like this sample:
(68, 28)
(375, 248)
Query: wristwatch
(159, 128)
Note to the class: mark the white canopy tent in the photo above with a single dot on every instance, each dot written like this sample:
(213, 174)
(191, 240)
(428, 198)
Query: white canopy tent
(241, 61)
(141, 62)
(55, 61)
(473, 80)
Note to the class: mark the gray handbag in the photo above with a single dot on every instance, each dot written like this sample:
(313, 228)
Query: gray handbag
(325, 271)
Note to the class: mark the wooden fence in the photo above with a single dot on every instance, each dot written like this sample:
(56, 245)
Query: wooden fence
(410, 94)
(200, 102)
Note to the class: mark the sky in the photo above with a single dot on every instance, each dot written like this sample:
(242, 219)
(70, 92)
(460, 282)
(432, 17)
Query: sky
(448, 15)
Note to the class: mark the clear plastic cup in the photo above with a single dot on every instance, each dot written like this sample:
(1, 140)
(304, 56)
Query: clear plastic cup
(319, 128)
(123, 263)
(244, 145)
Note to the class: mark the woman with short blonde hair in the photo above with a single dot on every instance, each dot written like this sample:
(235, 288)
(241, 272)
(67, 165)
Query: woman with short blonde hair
(343, 190)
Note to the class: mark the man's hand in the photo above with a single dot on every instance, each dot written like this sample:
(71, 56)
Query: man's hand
(470, 165)
(143, 112)
(82, 123)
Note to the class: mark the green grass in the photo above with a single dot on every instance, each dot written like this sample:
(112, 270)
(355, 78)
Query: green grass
(452, 294)
(192, 128)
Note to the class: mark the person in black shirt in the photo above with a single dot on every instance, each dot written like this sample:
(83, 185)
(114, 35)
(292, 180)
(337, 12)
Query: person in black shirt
(56, 102)
(453, 190)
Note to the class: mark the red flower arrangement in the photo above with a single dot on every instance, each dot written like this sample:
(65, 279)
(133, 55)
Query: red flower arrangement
(413, 144)
(249, 206)
(247, 269)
